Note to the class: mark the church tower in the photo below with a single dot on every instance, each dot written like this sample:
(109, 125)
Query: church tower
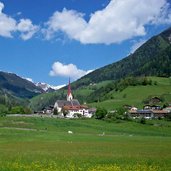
(69, 94)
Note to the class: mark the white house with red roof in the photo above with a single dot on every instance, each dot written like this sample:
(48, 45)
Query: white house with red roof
(71, 107)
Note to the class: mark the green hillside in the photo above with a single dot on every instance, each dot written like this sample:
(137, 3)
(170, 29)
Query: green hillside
(138, 95)
(104, 94)
(153, 58)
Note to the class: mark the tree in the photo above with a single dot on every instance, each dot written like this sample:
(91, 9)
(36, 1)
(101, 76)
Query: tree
(100, 113)
(17, 110)
(27, 110)
(120, 112)
(142, 120)
(3, 110)
(55, 112)
(65, 112)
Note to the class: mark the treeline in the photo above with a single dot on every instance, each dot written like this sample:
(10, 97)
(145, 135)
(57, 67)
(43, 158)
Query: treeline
(103, 93)
(12, 105)
(39, 102)
(14, 110)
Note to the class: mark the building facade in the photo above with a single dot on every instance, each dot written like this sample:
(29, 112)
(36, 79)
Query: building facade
(71, 108)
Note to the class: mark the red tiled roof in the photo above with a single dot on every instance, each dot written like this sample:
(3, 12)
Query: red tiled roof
(160, 111)
(76, 107)
(83, 107)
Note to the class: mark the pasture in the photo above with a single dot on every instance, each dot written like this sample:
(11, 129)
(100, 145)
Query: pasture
(44, 144)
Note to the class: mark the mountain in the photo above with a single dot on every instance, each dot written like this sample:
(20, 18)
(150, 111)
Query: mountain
(18, 86)
(15, 90)
(48, 88)
(153, 58)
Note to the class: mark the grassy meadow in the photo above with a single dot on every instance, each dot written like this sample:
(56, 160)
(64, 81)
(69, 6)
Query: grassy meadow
(43, 144)
(135, 95)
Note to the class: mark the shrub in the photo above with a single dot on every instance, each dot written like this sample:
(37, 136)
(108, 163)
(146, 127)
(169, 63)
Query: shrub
(100, 113)
(142, 121)
(77, 115)
(55, 112)
(3, 110)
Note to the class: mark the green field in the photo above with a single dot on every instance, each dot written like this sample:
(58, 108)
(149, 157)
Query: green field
(134, 95)
(43, 144)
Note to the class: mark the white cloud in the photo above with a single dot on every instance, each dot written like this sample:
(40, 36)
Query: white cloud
(119, 21)
(137, 44)
(69, 70)
(70, 22)
(164, 16)
(9, 25)
(1, 6)
(26, 28)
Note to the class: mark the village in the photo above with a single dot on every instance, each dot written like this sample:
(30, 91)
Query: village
(71, 108)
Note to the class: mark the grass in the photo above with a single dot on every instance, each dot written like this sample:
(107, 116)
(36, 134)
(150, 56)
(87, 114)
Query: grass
(44, 144)
(134, 95)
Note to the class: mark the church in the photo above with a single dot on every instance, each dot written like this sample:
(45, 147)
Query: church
(71, 108)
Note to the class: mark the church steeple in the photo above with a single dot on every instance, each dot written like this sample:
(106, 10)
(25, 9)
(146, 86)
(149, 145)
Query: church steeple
(69, 94)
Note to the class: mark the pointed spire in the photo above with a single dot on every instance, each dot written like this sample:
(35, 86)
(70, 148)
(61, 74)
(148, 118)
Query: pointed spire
(69, 94)
(69, 88)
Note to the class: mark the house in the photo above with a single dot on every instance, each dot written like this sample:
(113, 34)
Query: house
(77, 111)
(45, 110)
(92, 111)
(71, 108)
(148, 114)
(141, 113)
(134, 108)
(154, 100)
(160, 113)
(48, 110)
(168, 109)
(154, 107)
(59, 104)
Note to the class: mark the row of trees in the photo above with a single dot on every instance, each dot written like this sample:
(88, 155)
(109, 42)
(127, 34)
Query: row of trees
(120, 113)
(14, 110)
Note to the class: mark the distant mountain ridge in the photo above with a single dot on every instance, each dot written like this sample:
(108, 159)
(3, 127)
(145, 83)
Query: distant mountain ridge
(15, 90)
(153, 58)
(48, 88)
(18, 86)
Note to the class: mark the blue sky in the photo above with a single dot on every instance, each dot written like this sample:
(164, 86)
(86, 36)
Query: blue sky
(52, 40)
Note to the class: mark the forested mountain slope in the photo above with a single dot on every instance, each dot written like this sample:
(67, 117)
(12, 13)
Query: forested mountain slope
(15, 90)
(153, 58)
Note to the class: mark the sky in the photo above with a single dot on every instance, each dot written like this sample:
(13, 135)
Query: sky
(52, 40)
